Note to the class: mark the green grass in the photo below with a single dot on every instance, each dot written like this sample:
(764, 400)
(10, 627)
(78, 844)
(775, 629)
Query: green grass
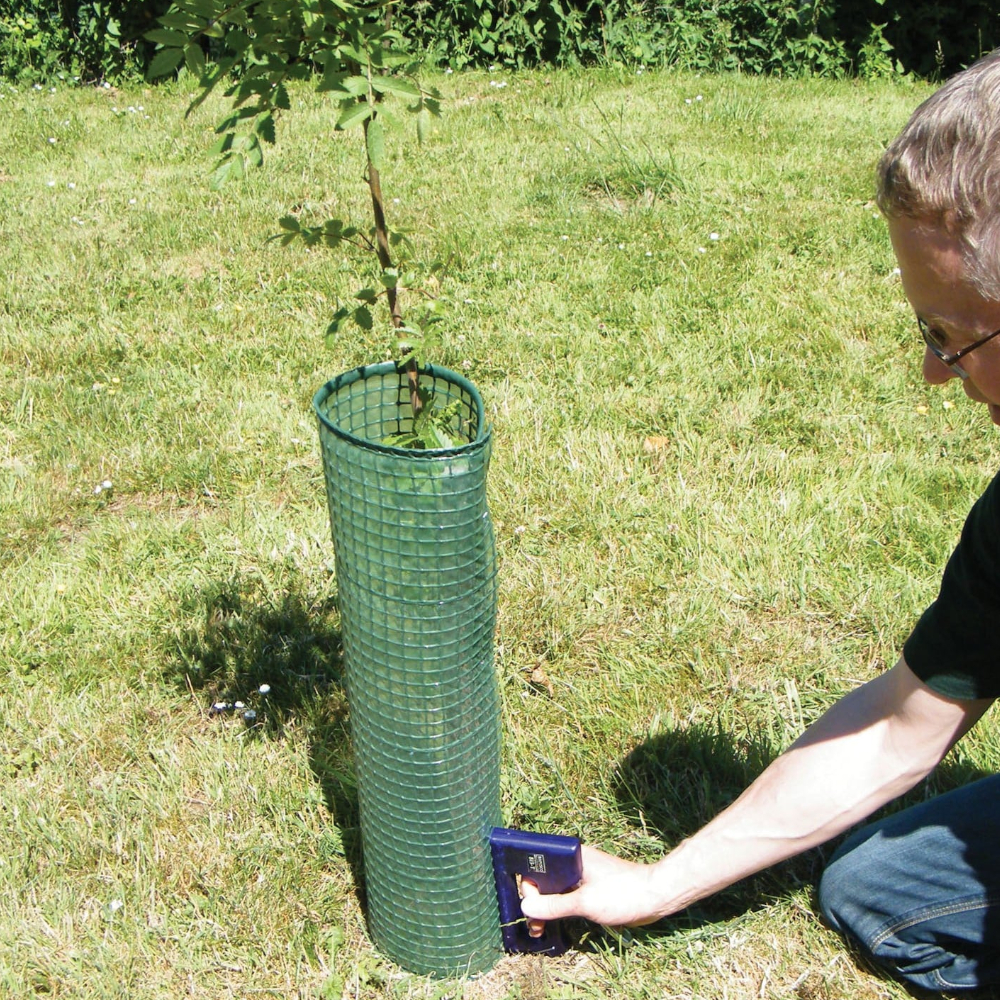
(721, 491)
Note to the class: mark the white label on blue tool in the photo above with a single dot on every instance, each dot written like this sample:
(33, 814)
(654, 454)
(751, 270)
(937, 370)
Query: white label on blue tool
(536, 863)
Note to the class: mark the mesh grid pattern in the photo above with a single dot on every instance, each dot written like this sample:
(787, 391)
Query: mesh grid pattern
(416, 574)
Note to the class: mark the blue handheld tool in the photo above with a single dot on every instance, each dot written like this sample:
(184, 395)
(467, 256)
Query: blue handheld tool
(552, 862)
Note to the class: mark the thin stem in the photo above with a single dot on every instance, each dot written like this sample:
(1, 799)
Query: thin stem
(385, 260)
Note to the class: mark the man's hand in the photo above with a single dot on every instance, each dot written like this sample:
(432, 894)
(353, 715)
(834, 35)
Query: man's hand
(613, 892)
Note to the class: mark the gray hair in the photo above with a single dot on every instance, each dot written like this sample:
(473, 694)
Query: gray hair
(944, 168)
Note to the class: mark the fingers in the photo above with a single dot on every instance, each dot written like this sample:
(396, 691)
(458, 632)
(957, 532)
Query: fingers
(613, 892)
(536, 927)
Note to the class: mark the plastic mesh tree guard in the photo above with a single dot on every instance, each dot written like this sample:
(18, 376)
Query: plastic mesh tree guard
(416, 578)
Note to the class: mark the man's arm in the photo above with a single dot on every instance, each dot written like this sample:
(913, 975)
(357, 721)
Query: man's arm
(871, 746)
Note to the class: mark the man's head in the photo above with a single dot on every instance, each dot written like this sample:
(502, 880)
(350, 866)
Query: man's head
(944, 169)
(939, 187)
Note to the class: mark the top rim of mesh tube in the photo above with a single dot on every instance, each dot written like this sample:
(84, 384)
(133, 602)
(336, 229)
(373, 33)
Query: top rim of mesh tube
(389, 367)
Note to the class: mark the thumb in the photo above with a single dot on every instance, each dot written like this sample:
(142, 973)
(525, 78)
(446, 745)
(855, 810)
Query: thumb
(539, 906)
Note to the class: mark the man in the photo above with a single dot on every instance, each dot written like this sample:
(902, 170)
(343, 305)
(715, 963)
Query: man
(919, 891)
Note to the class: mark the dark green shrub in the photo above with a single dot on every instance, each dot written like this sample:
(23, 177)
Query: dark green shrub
(32, 40)
(930, 39)
(94, 39)
(773, 36)
(781, 37)
(464, 33)
(787, 37)
(102, 39)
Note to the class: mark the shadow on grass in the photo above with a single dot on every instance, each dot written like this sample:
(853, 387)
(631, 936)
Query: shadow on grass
(281, 659)
(674, 783)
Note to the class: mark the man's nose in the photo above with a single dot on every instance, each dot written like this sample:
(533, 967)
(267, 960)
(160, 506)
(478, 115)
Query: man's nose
(936, 372)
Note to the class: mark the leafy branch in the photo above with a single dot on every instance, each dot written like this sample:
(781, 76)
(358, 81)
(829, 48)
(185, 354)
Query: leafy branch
(351, 52)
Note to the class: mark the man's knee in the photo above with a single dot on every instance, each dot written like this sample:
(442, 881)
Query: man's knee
(846, 889)
(905, 896)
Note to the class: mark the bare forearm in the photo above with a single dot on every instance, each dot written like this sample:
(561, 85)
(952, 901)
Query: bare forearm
(805, 797)
(868, 748)
(849, 763)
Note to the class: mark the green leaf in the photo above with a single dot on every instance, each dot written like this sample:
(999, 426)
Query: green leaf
(254, 85)
(167, 38)
(395, 85)
(229, 170)
(184, 22)
(333, 77)
(334, 229)
(332, 988)
(389, 277)
(368, 295)
(375, 141)
(404, 439)
(363, 317)
(165, 61)
(335, 324)
(237, 40)
(280, 99)
(290, 224)
(205, 9)
(224, 144)
(355, 114)
(384, 59)
(232, 120)
(406, 346)
(435, 436)
(265, 128)
(351, 53)
(254, 151)
(209, 83)
(194, 59)
(355, 85)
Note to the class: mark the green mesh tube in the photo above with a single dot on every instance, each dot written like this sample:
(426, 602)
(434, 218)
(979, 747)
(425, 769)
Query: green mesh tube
(416, 577)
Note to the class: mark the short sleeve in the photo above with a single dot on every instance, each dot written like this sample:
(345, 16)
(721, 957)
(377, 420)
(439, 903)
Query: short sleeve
(955, 646)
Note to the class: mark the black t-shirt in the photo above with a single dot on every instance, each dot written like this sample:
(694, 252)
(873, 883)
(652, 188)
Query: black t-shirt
(955, 647)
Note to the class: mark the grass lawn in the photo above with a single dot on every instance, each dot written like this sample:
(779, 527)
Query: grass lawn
(722, 496)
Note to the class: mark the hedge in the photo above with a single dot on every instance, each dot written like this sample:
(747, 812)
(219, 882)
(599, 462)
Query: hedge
(103, 39)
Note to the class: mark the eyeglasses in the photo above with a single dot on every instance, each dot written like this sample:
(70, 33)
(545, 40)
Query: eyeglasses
(935, 344)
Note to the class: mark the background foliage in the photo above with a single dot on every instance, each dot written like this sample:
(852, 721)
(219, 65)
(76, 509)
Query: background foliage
(93, 39)
(102, 39)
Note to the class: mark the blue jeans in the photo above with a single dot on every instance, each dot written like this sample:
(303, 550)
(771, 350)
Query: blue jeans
(919, 891)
